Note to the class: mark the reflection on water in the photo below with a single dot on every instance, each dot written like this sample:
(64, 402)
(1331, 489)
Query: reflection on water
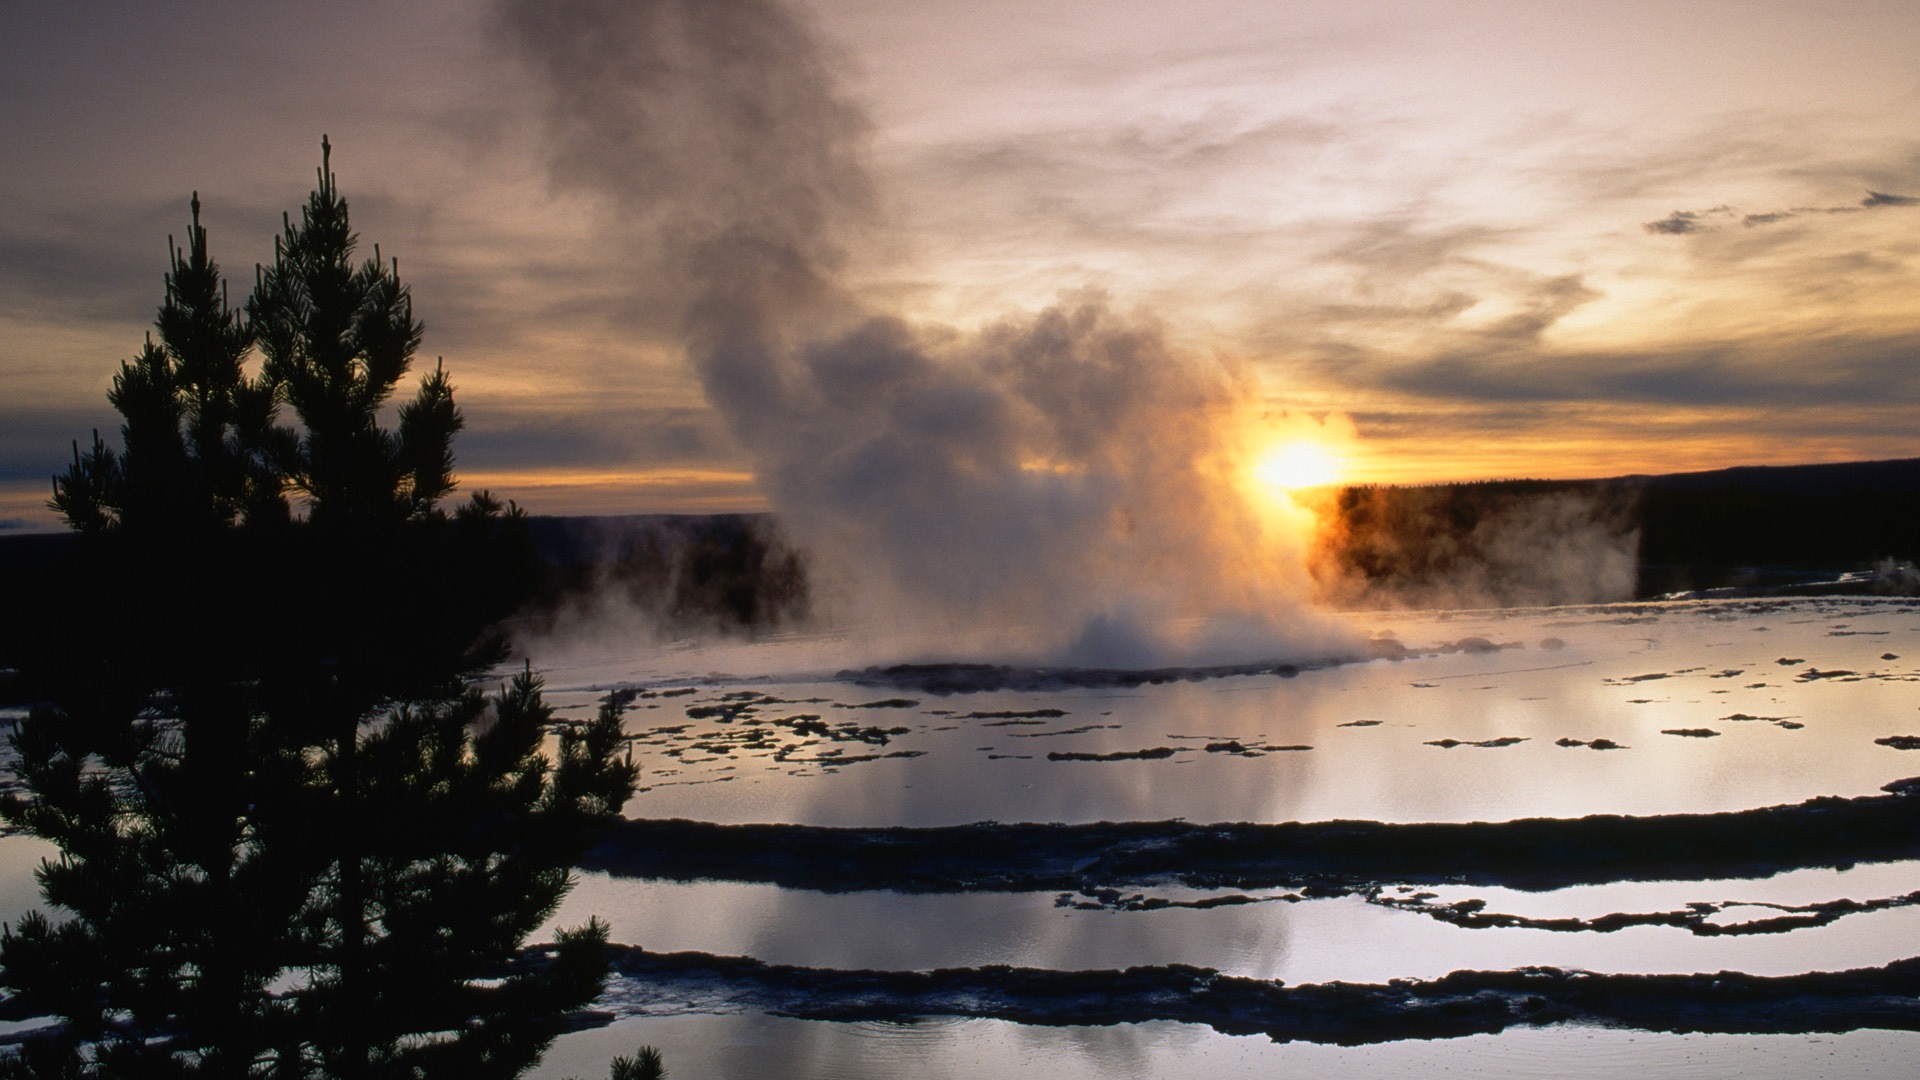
(751, 1046)
(1343, 939)
(1795, 693)
(1574, 712)
(19, 890)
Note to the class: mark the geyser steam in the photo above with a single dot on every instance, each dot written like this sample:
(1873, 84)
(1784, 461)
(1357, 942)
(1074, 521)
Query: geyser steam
(1067, 471)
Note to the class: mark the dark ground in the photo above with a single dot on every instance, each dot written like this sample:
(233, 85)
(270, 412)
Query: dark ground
(1765, 529)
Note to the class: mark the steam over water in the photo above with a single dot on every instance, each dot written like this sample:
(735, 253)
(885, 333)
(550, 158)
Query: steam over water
(1676, 817)
(1066, 472)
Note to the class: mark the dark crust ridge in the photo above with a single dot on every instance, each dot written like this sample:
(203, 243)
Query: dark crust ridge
(1334, 857)
(953, 678)
(1459, 1004)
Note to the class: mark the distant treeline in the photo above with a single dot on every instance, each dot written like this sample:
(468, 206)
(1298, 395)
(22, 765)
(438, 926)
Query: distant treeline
(1740, 526)
(730, 573)
(1491, 544)
(1528, 541)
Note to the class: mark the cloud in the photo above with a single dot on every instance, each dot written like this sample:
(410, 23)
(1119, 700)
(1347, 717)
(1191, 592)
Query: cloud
(1145, 161)
(1811, 373)
(1549, 301)
(103, 264)
(1684, 222)
(612, 433)
(36, 441)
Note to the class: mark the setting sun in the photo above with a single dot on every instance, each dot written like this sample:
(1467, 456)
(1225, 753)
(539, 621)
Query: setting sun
(1298, 464)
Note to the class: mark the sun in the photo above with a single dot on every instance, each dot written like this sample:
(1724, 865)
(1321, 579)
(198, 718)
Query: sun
(1297, 464)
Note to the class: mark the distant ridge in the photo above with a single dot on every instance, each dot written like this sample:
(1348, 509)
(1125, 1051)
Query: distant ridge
(1895, 476)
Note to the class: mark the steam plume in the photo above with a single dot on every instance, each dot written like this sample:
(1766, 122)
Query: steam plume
(1067, 469)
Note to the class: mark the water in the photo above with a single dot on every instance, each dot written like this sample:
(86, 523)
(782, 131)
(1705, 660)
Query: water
(1325, 940)
(752, 1047)
(1561, 673)
(1796, 692)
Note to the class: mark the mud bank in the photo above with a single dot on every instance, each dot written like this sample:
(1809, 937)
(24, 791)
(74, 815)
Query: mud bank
(950, 678)
(1334, 856)
(1459, 1004)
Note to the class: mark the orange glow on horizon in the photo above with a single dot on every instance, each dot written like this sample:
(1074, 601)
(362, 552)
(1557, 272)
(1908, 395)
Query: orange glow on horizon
(628, 491)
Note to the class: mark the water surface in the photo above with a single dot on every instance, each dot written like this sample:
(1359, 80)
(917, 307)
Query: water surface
(1492, 716)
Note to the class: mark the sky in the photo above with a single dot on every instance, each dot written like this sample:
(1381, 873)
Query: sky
(1492, 239)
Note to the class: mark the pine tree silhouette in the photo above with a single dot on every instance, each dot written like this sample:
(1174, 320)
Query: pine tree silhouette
(337, 339)
(195, 425)
(294, 839)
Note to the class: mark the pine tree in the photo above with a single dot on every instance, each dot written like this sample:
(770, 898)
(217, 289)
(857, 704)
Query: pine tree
(338, 338)
(295, 839)
(196, 427)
